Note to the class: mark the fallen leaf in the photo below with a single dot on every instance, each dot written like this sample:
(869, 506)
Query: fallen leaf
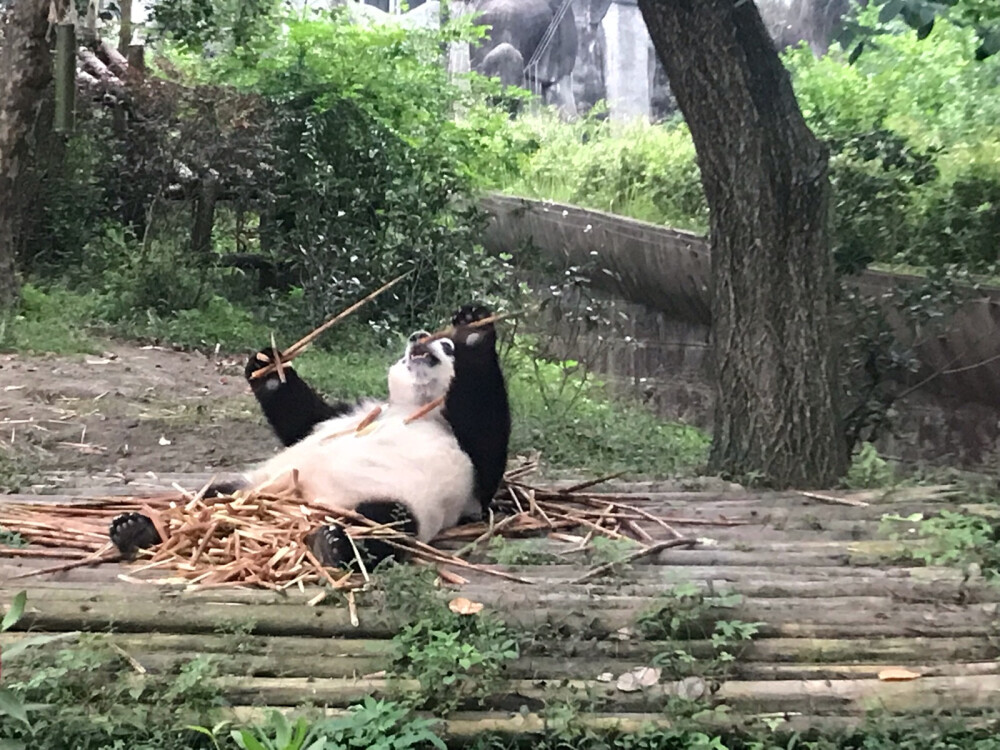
(691, 688)
(637, 679)
(622, 634)
(897, 674)
(462, 606)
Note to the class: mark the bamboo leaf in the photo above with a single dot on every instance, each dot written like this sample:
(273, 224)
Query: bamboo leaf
(14, 613)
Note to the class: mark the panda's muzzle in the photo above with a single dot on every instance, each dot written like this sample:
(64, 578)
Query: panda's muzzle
(423, 352)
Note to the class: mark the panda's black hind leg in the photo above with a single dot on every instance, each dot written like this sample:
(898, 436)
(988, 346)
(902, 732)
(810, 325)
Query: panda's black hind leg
(131, 532)
(332, 548)
(226, 487)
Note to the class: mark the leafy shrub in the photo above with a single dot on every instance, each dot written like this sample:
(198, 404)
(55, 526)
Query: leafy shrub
(83, 698)
(963, 222)
(374, 724)
(455, 658)
(875, 175)
(868, 470)
(372, 176)
(951, 538)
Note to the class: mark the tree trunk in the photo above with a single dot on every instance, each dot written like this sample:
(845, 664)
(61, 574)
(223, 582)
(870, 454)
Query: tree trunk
(25, 74)
(765, 179)
(203, 216)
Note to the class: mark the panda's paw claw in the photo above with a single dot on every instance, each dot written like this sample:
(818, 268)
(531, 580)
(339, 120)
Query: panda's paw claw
(131, 532)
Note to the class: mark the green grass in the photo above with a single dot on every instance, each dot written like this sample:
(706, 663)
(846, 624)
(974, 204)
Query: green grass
(218, 323)
(557, 409)
(54, 321)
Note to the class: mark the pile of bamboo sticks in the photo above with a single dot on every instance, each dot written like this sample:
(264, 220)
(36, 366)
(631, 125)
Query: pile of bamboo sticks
(261, 539)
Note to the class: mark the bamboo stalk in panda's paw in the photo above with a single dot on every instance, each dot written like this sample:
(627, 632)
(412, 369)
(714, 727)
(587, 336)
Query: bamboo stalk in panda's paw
(448, 332)
(300, 346)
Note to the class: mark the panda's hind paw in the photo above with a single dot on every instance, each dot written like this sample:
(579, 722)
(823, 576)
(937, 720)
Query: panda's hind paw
(331, 546)
(131, 532)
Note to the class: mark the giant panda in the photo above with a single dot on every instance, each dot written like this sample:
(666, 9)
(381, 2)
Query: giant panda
(423, 475)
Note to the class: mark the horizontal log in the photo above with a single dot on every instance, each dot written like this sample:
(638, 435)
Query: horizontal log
(823, 697)
(773, 653)
(141, 611)
(529, 667)
(947, 588)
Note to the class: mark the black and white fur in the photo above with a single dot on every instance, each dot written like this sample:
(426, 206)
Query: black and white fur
(423, 476)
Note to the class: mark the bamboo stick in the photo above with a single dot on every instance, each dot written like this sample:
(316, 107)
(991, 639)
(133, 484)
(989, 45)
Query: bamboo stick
(299, 346)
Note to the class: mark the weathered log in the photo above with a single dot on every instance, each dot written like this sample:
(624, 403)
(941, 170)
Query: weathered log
(116, 61)
(138, 610)
(829, 697)
(763, 658)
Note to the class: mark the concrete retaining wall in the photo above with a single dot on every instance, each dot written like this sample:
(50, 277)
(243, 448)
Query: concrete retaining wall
(659, 279)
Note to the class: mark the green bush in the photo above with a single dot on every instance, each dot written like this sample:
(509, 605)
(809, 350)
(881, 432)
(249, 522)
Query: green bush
(335, 150)
(372, 174)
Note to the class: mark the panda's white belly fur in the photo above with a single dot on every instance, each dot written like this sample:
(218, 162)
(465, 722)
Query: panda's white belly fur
(419, 464)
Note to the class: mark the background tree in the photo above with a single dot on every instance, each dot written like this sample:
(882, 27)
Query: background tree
(766, 183)
(25, 74)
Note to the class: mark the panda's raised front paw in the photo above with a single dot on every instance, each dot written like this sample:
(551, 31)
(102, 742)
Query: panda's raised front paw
(131, 532)
(470, 314)
(465, 335)
(259, 360)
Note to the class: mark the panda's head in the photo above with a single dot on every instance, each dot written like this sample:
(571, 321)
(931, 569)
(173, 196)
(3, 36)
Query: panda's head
(425, 371)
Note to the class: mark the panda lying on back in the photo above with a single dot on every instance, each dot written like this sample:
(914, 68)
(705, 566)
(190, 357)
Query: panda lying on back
(423, 476)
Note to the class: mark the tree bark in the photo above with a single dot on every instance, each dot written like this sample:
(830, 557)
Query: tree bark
(203, 215)
(765, 179)
(25, 74)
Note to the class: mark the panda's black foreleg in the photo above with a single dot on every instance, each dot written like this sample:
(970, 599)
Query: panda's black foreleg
(131, 532)
(291, 407)
(333, 549)
(477, 407)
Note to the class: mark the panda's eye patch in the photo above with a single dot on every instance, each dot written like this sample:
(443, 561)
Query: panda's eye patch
(448, 348)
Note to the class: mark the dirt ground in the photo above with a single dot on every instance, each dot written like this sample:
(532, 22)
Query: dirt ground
(132, 409)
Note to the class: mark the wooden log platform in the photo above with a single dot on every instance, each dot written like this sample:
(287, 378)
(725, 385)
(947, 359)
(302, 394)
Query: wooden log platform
(836, 602)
